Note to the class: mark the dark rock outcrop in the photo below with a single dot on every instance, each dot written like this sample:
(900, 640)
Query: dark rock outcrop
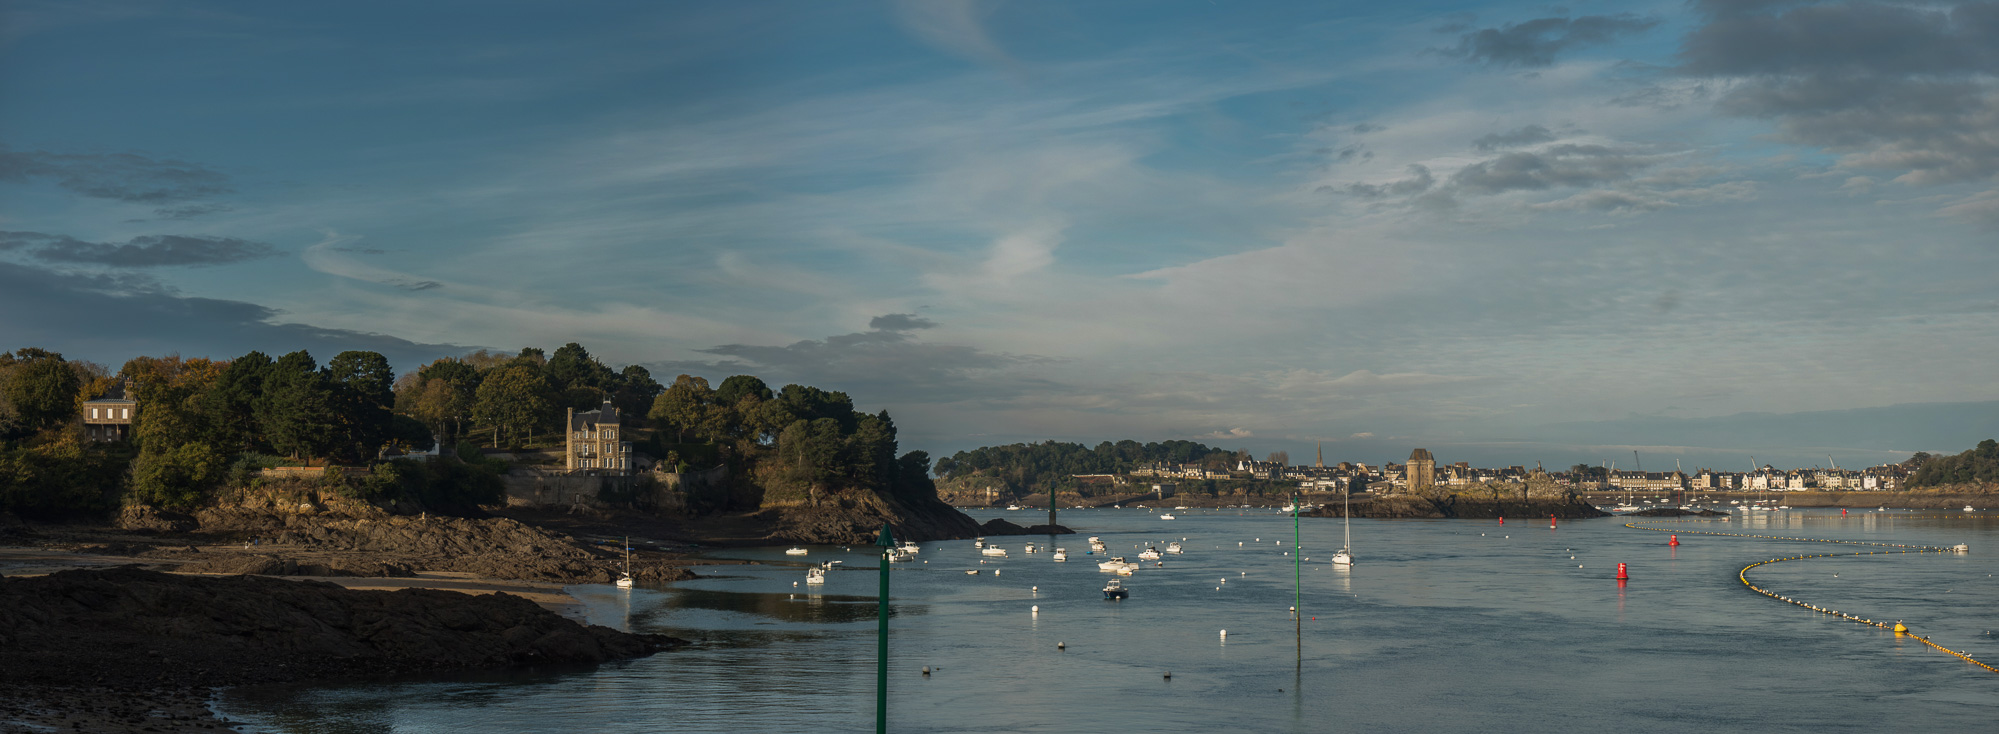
(147, 519)
(999, 526)
(265, 565)
(1674, 512)
(857, 519)
(377, 545)
(126, 627)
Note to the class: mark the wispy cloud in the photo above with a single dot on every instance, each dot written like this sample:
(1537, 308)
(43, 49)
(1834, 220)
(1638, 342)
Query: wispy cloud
(148, 251)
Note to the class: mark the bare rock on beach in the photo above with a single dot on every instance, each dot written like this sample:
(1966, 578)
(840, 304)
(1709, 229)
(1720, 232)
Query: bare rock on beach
(132, 627)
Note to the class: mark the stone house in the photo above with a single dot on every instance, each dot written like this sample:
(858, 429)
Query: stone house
(594, 444)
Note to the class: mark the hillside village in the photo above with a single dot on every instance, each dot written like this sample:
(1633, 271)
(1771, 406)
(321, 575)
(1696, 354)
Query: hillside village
(1345, 475)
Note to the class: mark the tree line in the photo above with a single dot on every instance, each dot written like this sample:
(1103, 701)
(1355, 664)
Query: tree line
(201, 424)
(1978, 465)
(1029, 468)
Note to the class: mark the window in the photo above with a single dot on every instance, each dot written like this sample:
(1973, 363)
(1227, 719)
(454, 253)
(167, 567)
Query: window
(127, 412)
(93, 414)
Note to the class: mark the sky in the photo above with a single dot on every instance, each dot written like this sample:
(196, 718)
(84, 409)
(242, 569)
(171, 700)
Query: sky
(1508, 232)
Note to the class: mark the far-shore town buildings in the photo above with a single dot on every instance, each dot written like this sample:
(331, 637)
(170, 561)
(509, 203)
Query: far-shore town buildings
(593, 444)
(108, 419)
(1422, 470)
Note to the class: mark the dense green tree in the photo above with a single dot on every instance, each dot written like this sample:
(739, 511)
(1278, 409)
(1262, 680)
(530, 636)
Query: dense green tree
(360, 383)
(40, 387)
(179, 477)
(683, 409)
(737, 387)
(1980, 465)
(572, 366)
(515, 400)
(298, 409)
(634, 394)
(228, 406)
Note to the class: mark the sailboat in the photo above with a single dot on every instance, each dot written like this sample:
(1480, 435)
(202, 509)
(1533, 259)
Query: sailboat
(1345, 556)
(625, 579)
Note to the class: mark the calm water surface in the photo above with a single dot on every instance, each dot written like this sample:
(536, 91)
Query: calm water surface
(1444, 626)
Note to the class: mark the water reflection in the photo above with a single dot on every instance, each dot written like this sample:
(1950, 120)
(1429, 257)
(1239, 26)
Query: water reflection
(1458, 632)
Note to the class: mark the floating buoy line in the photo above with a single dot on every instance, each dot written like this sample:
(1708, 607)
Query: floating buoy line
(1897, 627)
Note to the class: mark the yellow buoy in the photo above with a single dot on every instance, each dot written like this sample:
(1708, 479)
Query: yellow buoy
(1900, 630)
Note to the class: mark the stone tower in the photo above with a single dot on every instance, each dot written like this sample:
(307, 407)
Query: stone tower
(1322, 457)
(1422, 469)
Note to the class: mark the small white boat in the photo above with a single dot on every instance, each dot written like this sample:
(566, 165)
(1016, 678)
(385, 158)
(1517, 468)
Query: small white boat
(1031, 549)
(1344, 557)
(1967, 508)
(625, 579)
(993, 550)
(1095, 539)
(911, 548)
(1116, 563)
(1174, 548)
(815, 576)
(978, 542)
(1012, 507)
(1150, 554)
(795, 551)
(1166, 516)
(1097, 548)
(1114, 590)
(1182, 507)
(896, 555)
(1061, 555)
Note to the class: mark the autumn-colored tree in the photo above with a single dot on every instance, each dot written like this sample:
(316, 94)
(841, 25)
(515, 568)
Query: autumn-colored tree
(514, 400)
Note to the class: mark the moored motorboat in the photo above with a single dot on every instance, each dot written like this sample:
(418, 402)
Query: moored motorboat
(1174, 548)
(1150, 554)
(1114, 590)
(795, 551)
(815, 576)
(1061, 555)
(1166, 516)
(896, 555)
(911, 548)
(1116, 563)
(1031, 549)
(1011, 508)
(978, 542)
(993, 550)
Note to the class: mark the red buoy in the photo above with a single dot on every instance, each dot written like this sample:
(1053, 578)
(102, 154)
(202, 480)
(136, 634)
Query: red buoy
(1551, 521)
(1621, 575)
(1842, 512)
(1502, 521)
(1676, 540)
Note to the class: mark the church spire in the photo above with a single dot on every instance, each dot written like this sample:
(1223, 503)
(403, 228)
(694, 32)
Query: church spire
(1322, 455)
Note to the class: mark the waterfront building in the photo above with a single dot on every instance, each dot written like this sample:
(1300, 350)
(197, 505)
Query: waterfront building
(108, 419)
(1422, 469)
(594, 445)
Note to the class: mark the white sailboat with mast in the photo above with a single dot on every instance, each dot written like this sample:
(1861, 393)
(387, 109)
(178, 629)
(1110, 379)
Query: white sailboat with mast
(625, 579)
(1345, 556)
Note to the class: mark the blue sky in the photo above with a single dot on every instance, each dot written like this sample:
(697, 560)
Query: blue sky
(1474, 227)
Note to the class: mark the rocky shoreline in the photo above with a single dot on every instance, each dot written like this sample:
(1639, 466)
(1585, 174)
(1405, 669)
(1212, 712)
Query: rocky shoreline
(127, 649)
(1406, 506)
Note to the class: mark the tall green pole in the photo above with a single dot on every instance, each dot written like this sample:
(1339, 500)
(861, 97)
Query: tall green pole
(887, 542)
(1297, 557)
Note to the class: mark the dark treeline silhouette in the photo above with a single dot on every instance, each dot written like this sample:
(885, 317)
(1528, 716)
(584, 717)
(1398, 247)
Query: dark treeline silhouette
(1979, 465)
(203, 424)
(1028, 468)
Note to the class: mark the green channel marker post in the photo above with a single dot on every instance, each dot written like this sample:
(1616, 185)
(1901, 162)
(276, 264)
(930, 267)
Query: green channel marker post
(887, 542)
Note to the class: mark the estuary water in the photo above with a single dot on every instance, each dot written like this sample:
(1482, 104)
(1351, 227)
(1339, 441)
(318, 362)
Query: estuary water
(1442, 626)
